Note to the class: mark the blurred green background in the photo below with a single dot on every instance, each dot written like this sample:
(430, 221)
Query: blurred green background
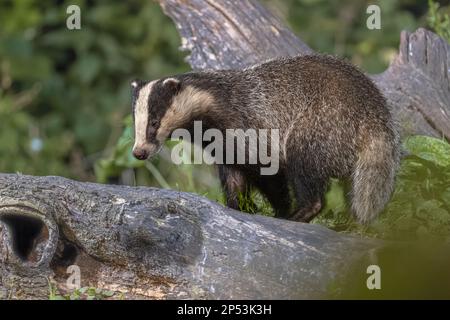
(65, 97)
(63, 93)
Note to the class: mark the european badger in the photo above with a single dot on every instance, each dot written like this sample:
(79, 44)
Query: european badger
(332, 121)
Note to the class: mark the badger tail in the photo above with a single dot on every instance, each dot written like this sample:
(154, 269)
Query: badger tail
(374, 177)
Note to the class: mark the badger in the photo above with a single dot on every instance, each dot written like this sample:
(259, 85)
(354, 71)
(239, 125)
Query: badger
(333, 122)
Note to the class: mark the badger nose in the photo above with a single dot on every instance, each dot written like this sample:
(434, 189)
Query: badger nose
(140, 154)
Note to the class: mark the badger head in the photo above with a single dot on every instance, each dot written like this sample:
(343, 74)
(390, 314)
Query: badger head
(160, 107)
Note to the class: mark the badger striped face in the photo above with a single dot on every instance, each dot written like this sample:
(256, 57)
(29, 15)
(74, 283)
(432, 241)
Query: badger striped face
(150, 103)
(161, 106)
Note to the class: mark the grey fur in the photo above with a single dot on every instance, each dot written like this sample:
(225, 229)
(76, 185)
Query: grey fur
(333, 122)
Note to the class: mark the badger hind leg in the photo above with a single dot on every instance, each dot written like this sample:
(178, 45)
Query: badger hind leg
(309, 194)
(306, 214)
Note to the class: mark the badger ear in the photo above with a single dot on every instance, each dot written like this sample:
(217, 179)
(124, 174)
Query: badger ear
(172, 83)
(136, 83)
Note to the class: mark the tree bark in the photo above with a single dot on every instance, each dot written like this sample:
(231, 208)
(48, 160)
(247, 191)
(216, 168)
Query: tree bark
(231, 34)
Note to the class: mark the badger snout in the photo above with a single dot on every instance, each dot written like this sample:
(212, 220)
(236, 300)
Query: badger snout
(145, 151)
(140, 153)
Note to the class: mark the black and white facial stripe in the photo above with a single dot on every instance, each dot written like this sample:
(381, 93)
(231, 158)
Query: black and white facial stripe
(161, 106)
(141, 113)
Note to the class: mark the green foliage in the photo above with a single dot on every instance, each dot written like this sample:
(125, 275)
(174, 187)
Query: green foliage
(64, 93)
(439, 21)
(339, 27)
(433, 150)
(420, 206)
(254, 202)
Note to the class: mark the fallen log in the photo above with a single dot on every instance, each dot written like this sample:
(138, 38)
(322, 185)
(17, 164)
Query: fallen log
(154, 243)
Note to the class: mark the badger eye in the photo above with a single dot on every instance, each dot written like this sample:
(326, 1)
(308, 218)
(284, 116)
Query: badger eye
(154, 123)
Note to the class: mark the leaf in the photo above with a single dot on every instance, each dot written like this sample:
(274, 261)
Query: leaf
(91, 291)
(446, 196)
(430, 149)
(83, 290)
(425, 209)
(108, 293)
(74, 296)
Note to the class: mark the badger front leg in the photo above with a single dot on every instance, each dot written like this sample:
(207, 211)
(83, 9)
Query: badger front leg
(236, 188)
